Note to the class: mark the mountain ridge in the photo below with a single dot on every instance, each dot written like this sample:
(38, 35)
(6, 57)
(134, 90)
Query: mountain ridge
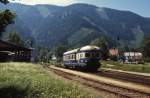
(78, 24)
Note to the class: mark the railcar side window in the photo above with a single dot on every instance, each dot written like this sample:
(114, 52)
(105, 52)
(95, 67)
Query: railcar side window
(81, 55)
(73, 56)
(69, 57)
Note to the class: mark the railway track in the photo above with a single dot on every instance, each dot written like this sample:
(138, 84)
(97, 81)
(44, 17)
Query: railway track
(130, 77)
(121, 91)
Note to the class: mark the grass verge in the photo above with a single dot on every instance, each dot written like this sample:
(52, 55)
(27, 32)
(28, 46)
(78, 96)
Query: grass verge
(144, 68)
(25, 80)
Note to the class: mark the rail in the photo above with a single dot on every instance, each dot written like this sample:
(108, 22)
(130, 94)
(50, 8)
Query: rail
(103, 86)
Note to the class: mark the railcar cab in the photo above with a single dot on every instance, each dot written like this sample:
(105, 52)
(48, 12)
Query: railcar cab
(85, 57)
(89, 56)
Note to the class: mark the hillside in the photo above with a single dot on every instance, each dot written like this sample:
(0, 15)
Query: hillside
(78, 24)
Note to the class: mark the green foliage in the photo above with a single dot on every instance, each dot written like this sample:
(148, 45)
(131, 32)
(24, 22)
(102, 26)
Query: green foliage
(82, 37)
(4, 1)
(59, 51)
(6, 18)
(102, 43)
(24, 80)
(43, 54)
(15, 38)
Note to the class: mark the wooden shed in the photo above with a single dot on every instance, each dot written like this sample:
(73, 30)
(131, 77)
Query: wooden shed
(12, 52)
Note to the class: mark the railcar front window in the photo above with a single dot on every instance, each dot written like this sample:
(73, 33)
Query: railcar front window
(97, 55)
(87, 54)
(93, 54)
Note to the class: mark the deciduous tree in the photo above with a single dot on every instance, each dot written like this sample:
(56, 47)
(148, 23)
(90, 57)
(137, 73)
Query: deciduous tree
(6, 18)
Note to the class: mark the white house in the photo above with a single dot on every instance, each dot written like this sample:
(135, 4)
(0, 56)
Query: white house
(133, 57)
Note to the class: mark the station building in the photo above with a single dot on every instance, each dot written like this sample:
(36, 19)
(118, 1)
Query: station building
(12, 52)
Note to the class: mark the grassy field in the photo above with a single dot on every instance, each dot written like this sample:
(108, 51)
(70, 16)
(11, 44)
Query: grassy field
(144, 68)
(25, 80)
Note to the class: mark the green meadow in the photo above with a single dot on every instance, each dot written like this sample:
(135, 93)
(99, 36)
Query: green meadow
(26, 80)
(143, 68)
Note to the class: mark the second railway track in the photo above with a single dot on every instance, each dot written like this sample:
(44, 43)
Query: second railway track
(122, 91)
(125, 76)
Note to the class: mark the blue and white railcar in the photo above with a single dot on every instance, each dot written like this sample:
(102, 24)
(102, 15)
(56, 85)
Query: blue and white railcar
(69, 58)
(85, 57)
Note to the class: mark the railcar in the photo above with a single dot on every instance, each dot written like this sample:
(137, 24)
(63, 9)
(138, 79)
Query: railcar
(87, 57)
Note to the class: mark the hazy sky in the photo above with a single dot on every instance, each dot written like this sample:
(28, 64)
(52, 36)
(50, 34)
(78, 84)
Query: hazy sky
(141, 7)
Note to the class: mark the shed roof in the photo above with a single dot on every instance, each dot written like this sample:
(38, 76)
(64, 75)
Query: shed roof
(7, 46)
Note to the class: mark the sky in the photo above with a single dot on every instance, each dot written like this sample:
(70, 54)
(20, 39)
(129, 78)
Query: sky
(141, 7)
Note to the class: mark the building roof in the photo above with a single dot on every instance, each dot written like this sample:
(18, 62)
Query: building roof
(7, 46)
(132, 54)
